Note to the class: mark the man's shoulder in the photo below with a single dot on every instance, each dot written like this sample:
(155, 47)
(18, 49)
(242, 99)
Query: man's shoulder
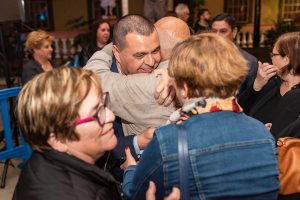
(248, 56)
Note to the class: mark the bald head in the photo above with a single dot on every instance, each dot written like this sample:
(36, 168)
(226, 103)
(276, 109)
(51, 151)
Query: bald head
(171, 31)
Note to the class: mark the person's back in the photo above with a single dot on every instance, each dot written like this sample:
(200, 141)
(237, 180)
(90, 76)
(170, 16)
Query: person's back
(231, 156)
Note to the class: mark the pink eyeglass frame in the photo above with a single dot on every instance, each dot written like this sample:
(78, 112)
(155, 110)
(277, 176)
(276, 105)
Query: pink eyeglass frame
(101, 109)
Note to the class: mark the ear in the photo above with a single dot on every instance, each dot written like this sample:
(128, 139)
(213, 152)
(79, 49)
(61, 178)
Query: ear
(116, 52)
(56, 144)
(286, 60)
(185, 91)
(234, 32)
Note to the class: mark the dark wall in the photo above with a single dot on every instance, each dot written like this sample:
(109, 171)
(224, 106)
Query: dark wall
(136, 7)
(262, 53)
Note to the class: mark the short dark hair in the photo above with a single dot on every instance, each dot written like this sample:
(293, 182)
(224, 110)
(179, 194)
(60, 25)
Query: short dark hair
(131, 24)
(229, 19)
(202, 11)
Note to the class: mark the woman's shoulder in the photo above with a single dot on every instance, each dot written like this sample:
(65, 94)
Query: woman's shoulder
(31, 63)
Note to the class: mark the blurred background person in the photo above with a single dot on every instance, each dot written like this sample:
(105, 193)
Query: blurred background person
(203, 17)
(100, 36)
(155, 9)
(183, 12)
(38, 45)
(63, 116)
(225, 25)
(226, 162)
(275, 94)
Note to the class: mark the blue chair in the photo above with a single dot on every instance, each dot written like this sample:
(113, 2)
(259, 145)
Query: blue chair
(11, 132)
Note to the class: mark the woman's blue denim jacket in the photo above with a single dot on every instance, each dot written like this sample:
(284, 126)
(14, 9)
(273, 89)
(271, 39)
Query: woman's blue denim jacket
(232, 156)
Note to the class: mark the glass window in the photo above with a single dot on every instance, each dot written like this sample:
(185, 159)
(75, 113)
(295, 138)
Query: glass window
(289, 9)
(240, 9)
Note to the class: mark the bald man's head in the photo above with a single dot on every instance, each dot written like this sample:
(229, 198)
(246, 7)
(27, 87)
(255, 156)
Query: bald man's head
(171, 31)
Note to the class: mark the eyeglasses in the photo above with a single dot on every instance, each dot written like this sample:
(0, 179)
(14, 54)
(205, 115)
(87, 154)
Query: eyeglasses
(100, 115)
(274, 54)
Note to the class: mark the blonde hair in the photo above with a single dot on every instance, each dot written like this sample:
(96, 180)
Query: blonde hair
(35, 40)
(210, 65)
(49, 103)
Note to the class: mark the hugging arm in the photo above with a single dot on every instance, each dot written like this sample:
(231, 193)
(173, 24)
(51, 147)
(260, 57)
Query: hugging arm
(132, 96)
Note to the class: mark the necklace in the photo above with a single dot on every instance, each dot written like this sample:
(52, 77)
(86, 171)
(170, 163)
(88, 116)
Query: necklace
(204, 106)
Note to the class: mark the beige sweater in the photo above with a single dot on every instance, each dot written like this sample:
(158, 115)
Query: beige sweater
(131, 96)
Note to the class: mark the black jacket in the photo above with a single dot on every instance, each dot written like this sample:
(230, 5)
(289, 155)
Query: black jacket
(86, 53)
(269, 106)
(31, 69)
(55, 175)
(252, 65)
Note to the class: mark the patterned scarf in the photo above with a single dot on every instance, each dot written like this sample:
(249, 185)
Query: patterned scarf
(205, 106)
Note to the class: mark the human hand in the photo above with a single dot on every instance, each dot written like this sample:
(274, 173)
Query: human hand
(129, 159)
(264, 73)
(164, 92)
(268, 126)
(150, 194)
(144, 138)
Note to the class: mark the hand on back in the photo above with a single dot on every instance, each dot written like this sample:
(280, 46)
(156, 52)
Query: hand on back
(164, 92)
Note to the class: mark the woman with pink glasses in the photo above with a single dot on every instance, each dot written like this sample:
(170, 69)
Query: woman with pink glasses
(63, 116)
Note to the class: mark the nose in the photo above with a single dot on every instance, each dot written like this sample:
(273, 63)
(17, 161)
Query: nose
(50, 48)
(110, 116)
(149, 60)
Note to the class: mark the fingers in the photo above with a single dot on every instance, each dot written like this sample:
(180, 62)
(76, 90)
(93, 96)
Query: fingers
(163, 92)
(166, 95)
(123, 166)
(175, 194)
(265, 72)
(159, 90)
(170, 97)
(129, 159)
(149, 133)
(145, 137)
(269, 68)
(268, 126)
(150, 194)
(128, 153)
(260, 65)
(158, 72)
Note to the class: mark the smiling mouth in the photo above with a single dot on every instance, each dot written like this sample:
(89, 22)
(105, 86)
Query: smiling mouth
(146, 70)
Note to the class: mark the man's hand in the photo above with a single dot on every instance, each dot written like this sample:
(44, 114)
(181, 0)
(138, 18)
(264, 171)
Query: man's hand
(144, 138)
(129, 159)
(264, 73)
(164, 93)
(150, 194)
